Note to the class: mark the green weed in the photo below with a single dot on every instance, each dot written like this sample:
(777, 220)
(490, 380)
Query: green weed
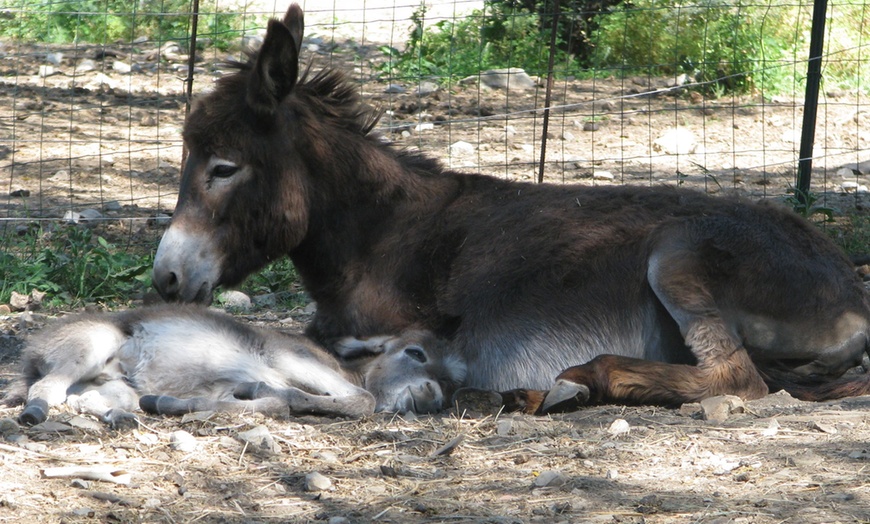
(102, 21)
(72, 266)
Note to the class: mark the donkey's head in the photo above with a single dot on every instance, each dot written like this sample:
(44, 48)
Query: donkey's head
(413, 372)
(243, 195)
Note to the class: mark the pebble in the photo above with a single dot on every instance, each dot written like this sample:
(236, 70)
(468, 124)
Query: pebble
(182, 441)
(512, 78)
(338, 520)
(602, 175)
(315, 481)
(233, 299)
(591, 126)
(677, 141)
(425, 126)
(86, 65)
(122, 67)
(550, 479)
(619, 427)
(46, 70)
(54, 58)
(260, 438)
(394, 89)
(461, 148)
(427, 88)
(719, 408)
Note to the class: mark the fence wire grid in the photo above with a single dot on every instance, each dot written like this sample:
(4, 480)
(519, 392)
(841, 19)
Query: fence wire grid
(652, 92)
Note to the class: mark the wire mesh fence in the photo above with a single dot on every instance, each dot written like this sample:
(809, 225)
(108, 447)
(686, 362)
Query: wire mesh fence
(707, 94)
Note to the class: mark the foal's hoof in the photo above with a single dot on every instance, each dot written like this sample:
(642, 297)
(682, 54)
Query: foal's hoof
(476, 402)
(565, 396)
(35, 412)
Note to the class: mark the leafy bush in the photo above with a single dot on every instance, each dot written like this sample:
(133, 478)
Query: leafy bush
(736, 44)
(72, 266)
(101, 21)
(499, 36)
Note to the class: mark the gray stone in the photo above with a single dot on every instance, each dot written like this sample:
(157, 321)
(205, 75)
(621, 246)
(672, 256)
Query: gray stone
(182, 441)
(233, 299)
(315, 481)
(719, 408)
(427, 88)
(461, 148)
(260, 439)
(512, 78)
(394, 89)
(122, 67)
(550, 479)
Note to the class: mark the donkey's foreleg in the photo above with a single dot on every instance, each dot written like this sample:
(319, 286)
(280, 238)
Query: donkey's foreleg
(356, 404)
(624, 380)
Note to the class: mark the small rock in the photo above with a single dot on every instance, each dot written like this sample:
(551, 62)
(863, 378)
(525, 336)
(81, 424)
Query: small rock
(846, 172)
(18, 301)
(89, 214)
(719, 408)
(823, 427)
(260, 439)
(591, 126)
(54, 58)
(112, 205)
(424, 126)
(619, 427)
(550, 479)
(504, 426)
(46, 70)
(611, 474)
(326, 456)
(602, 175)
(49, 426)
(80, 484)
(315, 481)
(147, 121)
(394, 89)
(512, 78)
(567, 135)
(338, 520)
(20, 193)
(677, 141)
(252, 42)
(85, 66)
(427, 88)
(8, 425)
(233, 299)
(182, 441)
(122, 67)
(461, 148)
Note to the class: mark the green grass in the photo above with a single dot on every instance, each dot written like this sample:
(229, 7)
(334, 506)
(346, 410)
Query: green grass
(73, 266)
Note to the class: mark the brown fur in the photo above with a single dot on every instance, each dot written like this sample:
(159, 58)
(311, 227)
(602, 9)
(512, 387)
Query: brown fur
(691, 295)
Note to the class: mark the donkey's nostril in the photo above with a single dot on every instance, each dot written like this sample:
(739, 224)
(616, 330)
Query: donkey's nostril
(167, 284)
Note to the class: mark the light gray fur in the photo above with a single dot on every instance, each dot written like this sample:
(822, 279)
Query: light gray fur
(196, 359)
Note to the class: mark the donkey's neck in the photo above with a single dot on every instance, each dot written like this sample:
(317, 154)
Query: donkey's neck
(359, 190)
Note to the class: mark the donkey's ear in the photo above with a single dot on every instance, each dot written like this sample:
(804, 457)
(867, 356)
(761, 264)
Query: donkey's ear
(294, 20)
(276, 69)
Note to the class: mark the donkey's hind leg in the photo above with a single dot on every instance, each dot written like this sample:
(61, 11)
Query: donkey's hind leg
(677, 277)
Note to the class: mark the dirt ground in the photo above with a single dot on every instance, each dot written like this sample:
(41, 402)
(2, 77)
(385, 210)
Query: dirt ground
(107, 140)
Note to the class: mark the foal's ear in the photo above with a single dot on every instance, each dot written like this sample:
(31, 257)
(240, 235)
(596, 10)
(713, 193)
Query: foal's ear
(277, 65)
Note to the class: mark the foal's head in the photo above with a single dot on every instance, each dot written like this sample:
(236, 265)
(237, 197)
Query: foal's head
(254, 143)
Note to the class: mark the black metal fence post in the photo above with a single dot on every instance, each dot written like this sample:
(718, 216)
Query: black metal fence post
(811, 101)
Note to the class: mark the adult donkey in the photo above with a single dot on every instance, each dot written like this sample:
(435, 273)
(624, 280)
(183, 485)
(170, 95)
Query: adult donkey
(667, 295)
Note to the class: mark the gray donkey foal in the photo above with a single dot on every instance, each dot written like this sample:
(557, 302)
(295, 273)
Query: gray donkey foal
(176, 359)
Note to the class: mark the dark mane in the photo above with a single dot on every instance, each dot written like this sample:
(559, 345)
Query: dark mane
(329, 92)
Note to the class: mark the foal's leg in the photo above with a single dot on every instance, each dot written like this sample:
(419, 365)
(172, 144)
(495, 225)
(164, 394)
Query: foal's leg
(176, 407)
(357, 404)
(676, 275)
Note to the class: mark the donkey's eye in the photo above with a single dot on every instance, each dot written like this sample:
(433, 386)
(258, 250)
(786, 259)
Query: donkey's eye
(416, 353)
(224, 170)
